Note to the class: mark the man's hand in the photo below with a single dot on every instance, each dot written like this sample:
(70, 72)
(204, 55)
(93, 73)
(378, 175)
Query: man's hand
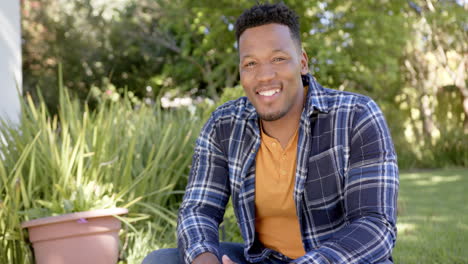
(206, 258)
(227, 260)
(209, 258)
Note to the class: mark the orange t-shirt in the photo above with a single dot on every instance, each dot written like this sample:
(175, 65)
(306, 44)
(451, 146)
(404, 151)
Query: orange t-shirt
(276, 222)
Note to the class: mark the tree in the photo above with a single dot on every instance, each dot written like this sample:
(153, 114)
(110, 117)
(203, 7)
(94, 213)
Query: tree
(436, 57)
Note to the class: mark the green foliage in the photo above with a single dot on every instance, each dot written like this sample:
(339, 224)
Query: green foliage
(119, 155)
(407, 55)
(356, 45)
(448, 151)
(229, 93)
(229, 229)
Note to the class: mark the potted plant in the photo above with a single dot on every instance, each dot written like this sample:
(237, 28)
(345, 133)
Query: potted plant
(79, 235)
(83, 237)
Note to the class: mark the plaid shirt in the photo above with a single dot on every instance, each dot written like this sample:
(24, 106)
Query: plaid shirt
(345, 189)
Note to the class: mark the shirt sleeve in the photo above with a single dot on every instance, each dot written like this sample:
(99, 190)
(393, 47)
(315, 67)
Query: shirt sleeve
(205, 198)
(370, 196)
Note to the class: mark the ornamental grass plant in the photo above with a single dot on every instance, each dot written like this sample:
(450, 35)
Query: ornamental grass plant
(116, 155)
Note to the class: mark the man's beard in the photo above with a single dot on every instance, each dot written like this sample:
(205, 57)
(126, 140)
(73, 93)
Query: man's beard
(273, 116)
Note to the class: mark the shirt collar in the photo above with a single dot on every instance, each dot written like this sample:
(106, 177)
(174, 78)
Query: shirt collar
(316, 96)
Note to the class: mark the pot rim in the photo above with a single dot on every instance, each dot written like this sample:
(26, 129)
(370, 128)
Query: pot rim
(74, 216)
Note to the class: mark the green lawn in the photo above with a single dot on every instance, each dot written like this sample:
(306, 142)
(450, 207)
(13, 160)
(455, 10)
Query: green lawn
(433, 217)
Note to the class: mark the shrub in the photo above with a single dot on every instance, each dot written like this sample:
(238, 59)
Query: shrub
(116, 155)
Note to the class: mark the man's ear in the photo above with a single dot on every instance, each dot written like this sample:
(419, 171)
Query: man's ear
(304, 62)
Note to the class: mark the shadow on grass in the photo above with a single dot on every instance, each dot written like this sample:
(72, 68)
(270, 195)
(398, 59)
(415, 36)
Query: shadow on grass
(433, 217)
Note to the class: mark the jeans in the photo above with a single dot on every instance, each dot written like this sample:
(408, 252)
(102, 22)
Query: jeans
(235, 251)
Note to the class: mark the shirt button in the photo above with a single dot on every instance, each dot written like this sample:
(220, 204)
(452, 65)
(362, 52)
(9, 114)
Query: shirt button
(283, 172)
(273, 144)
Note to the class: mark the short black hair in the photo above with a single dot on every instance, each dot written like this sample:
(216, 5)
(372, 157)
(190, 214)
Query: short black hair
(262, 14)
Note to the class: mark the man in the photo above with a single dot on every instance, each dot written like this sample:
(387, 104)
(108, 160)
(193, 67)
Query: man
(311, 171)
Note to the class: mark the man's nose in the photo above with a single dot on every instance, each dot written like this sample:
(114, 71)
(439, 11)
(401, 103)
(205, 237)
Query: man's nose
(266, 72)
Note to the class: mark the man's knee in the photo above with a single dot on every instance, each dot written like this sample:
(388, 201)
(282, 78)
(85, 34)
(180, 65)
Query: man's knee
(163, 256)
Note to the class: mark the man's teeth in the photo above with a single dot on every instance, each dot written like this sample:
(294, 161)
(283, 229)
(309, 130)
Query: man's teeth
(269, 92)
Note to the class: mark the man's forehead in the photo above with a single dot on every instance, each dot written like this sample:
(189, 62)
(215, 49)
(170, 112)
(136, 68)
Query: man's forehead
(249, 54)
(270, 38)
(265, 34)
(265, 28)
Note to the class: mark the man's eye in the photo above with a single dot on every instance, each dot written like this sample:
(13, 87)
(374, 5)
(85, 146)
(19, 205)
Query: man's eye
(250, 64)
(278, 59)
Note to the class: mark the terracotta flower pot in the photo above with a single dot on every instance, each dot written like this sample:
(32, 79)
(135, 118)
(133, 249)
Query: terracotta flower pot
(84, 237)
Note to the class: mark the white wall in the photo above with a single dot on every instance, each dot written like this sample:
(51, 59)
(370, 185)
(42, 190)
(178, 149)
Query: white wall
(10, 59)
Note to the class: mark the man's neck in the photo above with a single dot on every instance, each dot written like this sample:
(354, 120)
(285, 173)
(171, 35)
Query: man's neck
(284, 128)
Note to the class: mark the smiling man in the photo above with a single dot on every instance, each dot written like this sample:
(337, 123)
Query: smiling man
(311, 171)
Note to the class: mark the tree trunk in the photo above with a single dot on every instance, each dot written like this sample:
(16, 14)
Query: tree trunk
(426, 116)
(460, 82)
(465, 110)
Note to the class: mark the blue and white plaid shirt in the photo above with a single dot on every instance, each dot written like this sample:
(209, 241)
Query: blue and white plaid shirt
(345, 189)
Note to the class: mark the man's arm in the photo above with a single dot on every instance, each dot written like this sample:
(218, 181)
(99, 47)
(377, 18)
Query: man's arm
(371, 188)
(205, 198)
